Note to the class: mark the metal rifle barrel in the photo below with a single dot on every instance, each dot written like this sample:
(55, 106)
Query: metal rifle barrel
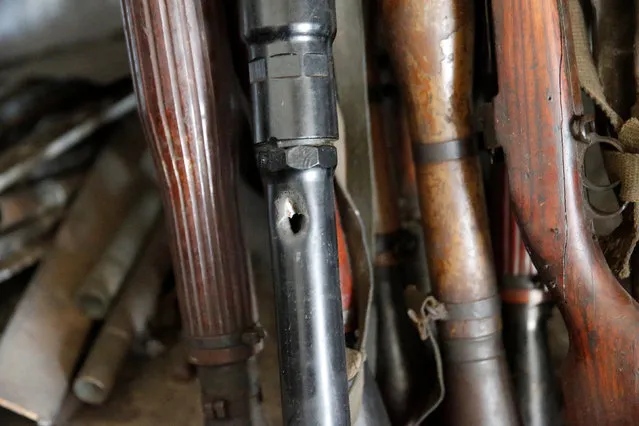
(295, 122)
(432, 45)
(526, 308)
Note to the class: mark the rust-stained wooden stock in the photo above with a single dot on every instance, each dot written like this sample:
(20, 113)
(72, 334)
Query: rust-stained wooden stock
(190, 108)
(538, 98)
(432, 45)
(190, 115)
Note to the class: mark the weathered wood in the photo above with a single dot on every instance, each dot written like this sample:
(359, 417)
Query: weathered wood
(189, 103)
(432, 44)
(538, 98)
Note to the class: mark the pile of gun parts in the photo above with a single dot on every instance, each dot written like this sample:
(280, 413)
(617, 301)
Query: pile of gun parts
(440, 178)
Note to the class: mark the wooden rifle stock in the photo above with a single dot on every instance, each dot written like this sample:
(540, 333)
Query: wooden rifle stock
(185, 86)
(432, 46)
(538, 99)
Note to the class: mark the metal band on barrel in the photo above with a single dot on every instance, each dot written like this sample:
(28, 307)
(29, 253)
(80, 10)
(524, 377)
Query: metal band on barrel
(472, 320)
(478, 309)
(468, 350)
(445, 151)
(223, 349)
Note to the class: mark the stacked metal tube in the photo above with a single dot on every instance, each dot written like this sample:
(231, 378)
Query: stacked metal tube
(295, 121)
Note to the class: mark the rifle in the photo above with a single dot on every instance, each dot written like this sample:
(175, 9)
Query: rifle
(526, 308)
(432, 47)
(295, 122)
(190, 108)
(537, 114)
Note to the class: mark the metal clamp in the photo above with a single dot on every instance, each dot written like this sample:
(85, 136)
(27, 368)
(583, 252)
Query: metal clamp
(583, 129)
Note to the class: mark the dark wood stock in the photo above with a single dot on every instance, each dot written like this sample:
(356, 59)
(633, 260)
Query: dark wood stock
(432, 45)
(185, 87)
(538, 98)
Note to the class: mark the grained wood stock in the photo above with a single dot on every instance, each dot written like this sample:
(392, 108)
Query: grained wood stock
(432, 45)
(190, 117)
(185, 86)
(538, 98)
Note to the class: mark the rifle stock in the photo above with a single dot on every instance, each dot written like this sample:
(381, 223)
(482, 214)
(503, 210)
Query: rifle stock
(537, 101)
(432, 47)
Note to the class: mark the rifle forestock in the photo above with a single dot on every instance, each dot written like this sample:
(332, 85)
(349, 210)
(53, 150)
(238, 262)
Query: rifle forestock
(538, 99)
(432, 46)
(184, 82)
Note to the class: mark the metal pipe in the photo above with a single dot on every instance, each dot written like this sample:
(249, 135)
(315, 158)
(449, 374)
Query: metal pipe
(102, 285)
(42, 343)
(295, 121)
(19, 206)
(127, 320)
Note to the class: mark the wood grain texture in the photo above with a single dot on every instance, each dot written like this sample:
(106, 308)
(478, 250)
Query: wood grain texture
(188, 103)
(432, 47)
(436, 41)
(539, 96)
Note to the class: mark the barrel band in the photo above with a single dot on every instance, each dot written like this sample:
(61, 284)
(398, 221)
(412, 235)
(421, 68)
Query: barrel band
(427, 153)
(473, 350)
(224, 349)
(484, 308)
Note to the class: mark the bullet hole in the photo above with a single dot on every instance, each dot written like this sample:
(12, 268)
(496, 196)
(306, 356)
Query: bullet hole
(296, 222)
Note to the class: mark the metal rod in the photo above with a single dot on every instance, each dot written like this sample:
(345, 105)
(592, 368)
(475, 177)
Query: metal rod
(127, 320)
(103, 283)
(295, 121)
(46, 143)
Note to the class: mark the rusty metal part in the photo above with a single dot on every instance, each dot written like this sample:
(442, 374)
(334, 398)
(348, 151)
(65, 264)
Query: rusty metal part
(192, 114)
(432, 45)
(103, 283)
(24, 204)
(42, 342)
(238, 398)
(128, 320)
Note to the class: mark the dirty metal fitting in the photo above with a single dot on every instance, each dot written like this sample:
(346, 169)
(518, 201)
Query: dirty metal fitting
(127, 320)
(295, 120)
(526, 308)
(190, 105)
(102, 285)
(432, 47)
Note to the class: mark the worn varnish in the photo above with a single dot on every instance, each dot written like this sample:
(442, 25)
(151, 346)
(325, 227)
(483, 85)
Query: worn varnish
(538, 98)
(188, 102)
(432, 45)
